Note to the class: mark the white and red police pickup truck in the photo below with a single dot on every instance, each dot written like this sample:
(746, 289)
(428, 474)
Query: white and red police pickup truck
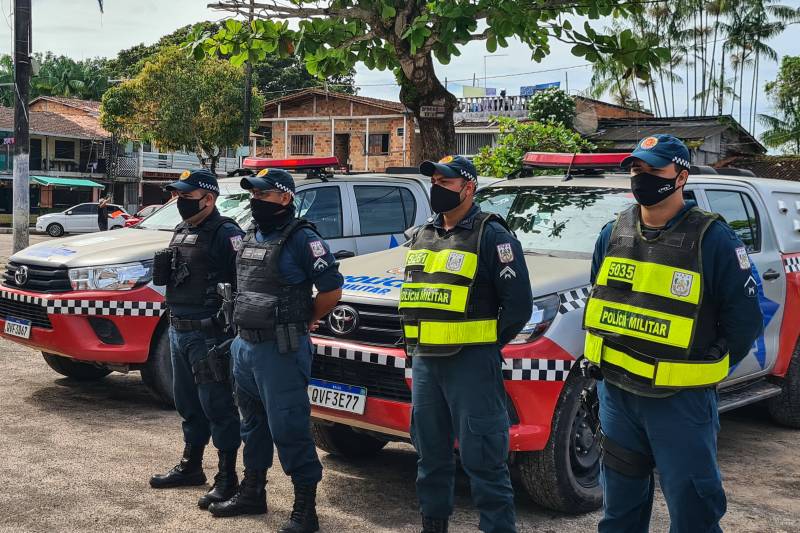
(88, 304)
(359, 350)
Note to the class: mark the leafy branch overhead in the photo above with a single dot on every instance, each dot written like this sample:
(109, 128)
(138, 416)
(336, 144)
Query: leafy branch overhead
(407, 36)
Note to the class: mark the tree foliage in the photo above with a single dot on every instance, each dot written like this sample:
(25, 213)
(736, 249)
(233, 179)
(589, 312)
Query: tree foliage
(552, 105)
(783, 128)
(180, 103)
(58, 76)
(516, 138)
(405, 37)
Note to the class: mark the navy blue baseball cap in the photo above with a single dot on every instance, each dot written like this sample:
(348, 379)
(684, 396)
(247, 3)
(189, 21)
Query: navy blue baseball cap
(451, 166)
(195, 179)
(268, 179)
(659, 151)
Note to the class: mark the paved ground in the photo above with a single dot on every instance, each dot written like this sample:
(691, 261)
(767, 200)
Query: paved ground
(76, 457)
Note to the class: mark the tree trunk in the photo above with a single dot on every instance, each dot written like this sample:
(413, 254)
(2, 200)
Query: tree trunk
(721, 101)
(421, 88)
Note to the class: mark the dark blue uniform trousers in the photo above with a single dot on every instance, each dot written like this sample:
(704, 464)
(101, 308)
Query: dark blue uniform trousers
(462, 397)
(208, 409)
(272, 393)
(681, 432)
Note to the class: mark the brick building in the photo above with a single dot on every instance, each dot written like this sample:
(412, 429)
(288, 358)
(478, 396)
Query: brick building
(366, 134)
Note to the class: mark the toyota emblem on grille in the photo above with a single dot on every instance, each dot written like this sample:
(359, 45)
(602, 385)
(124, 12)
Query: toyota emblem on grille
(21, 275)
(343, 320)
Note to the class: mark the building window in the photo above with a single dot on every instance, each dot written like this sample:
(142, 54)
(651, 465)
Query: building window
(378, 144)
(65, 150)
(401, 132)
(302, 145)
(147, 147)
(471, 143)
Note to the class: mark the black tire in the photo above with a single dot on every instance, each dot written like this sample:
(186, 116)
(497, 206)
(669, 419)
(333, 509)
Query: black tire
(157, 371)
(115, 227)
(55, 230)
(565, 476)
(785, 408)
(75, 369)
(341, 440)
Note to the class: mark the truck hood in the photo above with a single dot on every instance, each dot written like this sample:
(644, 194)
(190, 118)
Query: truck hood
(102, 248)
(379, 276)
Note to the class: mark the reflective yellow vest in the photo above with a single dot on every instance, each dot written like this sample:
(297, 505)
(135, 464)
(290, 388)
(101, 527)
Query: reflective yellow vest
(441, 305)
(642, 316)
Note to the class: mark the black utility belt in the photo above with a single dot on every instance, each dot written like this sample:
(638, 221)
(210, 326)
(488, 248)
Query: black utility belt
(204, 324)
(282, 333)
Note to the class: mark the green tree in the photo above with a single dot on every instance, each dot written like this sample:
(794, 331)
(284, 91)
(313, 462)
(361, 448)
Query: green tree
(783, 128)
(516, 138)
(275, 76)
(6, 77)
(552, 105)
(408, 36)
(178, 103)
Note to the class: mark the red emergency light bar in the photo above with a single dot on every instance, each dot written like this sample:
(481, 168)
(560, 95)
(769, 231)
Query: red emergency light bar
(258, 163)
(575, 161)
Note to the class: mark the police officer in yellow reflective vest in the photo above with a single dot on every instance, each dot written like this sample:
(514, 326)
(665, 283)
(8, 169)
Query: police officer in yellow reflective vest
(466, 294)
(674, 306)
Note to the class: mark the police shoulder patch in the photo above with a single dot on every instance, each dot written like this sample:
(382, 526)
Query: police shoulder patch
(742, 257)
(317, 248)
(505, 253)
(236, 242)
(320, 264)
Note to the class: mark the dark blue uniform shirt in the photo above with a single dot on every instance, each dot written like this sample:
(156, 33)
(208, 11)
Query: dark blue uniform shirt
(729, 284)
(306, 256)
(222, 255)
(501, 264)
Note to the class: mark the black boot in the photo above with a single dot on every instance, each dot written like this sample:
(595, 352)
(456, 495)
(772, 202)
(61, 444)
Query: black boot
(434, 525)
(251, 498)
(304, 513)
(187, 473)
(225, 482)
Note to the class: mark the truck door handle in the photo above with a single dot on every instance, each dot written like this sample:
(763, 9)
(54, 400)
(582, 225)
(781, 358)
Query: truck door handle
(344, 254)
(770, 275)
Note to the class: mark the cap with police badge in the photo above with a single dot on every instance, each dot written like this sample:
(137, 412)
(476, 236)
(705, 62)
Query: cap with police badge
(268, 179)
(195, 179)
(451, 166)
(659, 151)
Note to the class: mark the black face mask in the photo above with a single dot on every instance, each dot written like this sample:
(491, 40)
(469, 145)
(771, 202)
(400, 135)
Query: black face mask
(269, 215)
(188, 207)
(649, 189)
(444, 200)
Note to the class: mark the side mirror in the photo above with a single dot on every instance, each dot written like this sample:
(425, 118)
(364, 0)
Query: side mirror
(344, 254)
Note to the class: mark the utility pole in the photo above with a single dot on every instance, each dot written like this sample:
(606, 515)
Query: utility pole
(248, 89)
(22, 79)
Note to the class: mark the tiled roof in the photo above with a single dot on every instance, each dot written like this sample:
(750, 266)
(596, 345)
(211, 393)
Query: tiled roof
(396, 107)
(769, 166)
(90, 106)
(49, 123)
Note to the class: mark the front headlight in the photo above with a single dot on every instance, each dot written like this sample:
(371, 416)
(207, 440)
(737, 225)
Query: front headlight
(122, 277)
(544, 312)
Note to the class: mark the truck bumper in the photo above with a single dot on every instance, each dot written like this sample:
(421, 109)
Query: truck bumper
(89, 326)
(534, 377)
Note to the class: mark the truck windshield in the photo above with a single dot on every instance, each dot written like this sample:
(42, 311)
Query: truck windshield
(235, 206)
(555, 220)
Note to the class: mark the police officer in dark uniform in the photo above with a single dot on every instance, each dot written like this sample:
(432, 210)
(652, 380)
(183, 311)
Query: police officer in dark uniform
(282, 258)
(466, 294)
(201, 254)
(674, 306)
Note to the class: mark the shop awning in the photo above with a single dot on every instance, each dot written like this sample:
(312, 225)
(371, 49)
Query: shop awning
(66, 182)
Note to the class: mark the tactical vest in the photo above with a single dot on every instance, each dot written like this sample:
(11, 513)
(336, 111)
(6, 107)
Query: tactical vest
(442, 306)
(645, 316)
(193, 280)
(264, 298)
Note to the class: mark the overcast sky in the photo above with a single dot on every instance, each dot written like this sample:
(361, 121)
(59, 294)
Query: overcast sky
(77, 29)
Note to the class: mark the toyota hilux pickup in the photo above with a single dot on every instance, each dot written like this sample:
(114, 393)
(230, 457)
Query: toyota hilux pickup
(88, 304)
(557, 218)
